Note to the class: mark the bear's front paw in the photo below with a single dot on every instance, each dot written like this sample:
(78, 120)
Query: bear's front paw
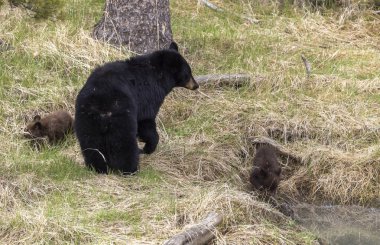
(148, 149)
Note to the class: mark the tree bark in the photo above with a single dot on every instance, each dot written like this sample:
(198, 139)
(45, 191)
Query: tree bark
(140, 25)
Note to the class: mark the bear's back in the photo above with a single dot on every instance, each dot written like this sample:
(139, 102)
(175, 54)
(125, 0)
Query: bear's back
(266, 154)
(266, 169)
(59, 121)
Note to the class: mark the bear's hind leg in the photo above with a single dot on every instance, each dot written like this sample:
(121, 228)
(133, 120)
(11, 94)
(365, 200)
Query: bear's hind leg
(123, 153)
(147, 132)
(122, 145)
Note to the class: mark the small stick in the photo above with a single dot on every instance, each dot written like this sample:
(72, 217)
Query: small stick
(101, 154)
(307, 65)
(199, 234)
(4, 46)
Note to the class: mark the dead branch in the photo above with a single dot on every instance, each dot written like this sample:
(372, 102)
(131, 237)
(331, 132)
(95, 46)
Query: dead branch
(307, 65)
(199, 234)
(279, 148)
(236, 80)
(219, 9)
(211, 5)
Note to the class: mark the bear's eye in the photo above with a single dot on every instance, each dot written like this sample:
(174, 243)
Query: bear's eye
(186, 78)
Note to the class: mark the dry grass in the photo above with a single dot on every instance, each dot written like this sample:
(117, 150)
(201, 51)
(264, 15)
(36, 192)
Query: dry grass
(330, 120)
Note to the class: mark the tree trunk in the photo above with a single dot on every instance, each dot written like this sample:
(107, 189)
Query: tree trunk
(141, 25)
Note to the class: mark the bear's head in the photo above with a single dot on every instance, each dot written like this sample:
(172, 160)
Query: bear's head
(266, 170)
(35, 129)
(265, 177)
(171, 63)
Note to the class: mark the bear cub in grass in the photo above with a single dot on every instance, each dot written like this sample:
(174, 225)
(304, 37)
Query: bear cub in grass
(120, 101)
(266, 169)
(54, 126)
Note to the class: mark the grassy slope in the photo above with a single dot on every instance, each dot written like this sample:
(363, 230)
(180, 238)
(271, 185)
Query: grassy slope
(330, 120)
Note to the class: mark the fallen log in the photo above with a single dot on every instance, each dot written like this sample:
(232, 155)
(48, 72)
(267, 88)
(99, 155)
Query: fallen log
(199, 234)
(235, 80)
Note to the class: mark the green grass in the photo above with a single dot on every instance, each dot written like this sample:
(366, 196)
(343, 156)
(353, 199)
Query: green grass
(131, 218)
(50, 164)
(150, 176)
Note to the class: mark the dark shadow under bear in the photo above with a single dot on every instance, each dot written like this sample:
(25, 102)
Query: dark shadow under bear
(266, 169)
(120, 101)
(54, 126)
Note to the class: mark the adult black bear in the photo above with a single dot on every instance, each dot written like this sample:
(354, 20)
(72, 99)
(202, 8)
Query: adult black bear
(266, 169)
(120, 101)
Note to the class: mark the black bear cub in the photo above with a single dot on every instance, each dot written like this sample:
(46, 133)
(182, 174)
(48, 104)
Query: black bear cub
(266, 169)
(119, 103)
(54, 126)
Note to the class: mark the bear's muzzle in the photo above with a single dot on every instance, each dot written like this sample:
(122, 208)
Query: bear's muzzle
(192, 84)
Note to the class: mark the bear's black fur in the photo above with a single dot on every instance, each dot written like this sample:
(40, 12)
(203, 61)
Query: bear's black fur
(266, 170)
(120, 101)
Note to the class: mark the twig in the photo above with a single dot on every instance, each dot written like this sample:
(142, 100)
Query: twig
(101, 154)
(4, 46)
(307, 65)
(250, 19)
(199, 234)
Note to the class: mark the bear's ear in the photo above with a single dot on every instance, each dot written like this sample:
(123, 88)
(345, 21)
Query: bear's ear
(36, 118)
(174, 46)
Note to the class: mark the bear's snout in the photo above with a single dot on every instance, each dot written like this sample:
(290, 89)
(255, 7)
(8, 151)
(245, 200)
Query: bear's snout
(192, 84)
